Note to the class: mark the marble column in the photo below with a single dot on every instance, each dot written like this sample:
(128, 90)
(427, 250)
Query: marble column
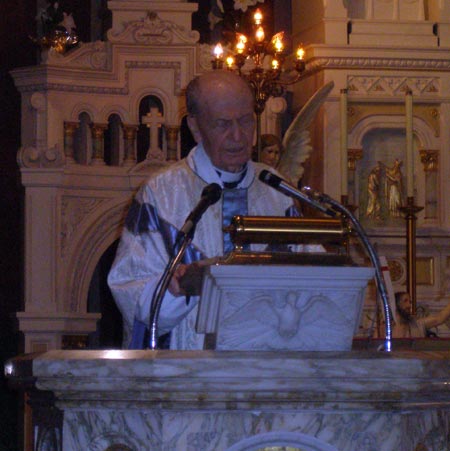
(98, 144)
(429, 159)
(129, 137)
(69, 133)
(354, 155)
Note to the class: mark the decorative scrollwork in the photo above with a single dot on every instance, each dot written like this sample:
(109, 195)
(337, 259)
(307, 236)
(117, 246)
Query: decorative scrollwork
(153, 30)
(31, 157)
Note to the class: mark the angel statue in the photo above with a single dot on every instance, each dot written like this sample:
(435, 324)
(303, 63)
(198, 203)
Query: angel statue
(271, 149)
(296, 144)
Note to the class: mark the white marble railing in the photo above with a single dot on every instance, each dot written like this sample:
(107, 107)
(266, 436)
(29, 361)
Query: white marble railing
(237, 401)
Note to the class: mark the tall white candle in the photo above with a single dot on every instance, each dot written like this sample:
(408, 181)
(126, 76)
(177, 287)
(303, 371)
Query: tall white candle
(409, 145)
(344, 143)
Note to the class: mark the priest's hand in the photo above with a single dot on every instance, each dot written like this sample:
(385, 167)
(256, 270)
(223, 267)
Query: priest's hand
(174, 285)
(187, 279)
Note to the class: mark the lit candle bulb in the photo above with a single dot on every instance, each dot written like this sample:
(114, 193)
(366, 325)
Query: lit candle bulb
(230, 62)
(240, 45)
(300, 53)
(275, 64)
(258, 17)
(277, 42)
(218, 51)
(260, 34)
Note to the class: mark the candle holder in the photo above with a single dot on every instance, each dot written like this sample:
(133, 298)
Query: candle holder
(352, 209)
(410, 211)
(346, 204)
(267, 74)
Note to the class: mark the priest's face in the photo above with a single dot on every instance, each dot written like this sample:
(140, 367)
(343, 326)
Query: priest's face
(225, 122)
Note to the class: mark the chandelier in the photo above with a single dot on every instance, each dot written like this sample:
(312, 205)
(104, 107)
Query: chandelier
(265, 60)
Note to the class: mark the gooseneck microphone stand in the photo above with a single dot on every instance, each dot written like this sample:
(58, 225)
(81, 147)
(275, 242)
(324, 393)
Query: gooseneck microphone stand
(161, 288)
(327, 205)
(210, 195)
(323, 198)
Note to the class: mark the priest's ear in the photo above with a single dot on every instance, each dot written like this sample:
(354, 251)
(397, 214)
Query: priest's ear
(193, 127)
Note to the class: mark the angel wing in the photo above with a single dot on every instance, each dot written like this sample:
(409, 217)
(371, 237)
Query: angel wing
(296, 140)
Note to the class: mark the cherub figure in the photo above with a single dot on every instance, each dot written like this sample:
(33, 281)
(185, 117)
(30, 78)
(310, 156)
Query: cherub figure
(271, 150)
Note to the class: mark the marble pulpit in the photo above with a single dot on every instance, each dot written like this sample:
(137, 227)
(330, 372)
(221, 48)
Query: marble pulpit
(285, 307)
(237, 401)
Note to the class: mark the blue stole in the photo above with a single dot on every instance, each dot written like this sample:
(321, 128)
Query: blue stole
(143, 218)
(234, 202)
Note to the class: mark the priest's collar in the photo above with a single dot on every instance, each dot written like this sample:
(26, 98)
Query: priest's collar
(200, 162)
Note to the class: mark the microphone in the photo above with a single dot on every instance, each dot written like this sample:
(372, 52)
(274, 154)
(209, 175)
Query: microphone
(269, 178)
(210, 195)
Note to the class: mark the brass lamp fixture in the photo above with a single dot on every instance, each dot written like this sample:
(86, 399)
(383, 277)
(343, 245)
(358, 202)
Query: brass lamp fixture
(58, 40)
(267, 75)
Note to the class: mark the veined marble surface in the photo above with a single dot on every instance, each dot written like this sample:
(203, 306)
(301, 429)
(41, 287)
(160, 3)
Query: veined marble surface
(246, 401)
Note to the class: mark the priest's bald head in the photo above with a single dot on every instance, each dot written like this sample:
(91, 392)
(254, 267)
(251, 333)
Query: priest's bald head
(221, 116)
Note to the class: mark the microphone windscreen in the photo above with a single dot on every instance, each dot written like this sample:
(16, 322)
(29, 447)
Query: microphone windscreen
(270, 179)
(212, 192)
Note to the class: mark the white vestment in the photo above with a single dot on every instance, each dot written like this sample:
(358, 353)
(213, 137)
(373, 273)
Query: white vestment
(160, 209)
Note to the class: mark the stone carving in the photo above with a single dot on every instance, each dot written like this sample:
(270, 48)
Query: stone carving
(123, 90)
(377, 63)
(282, 316)
(88, 247)
(397, 270)
(79, 88)
(118, 447)
(173, 65)
(205, 55)
(429, 159)
(153, 31)
(394, 85)
(73, 210)
(28, 157)
(109, 441)
(31, 157)
(91, 55)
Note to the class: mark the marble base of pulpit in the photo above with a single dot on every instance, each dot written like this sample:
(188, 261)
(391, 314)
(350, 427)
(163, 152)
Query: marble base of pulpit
(237, 401)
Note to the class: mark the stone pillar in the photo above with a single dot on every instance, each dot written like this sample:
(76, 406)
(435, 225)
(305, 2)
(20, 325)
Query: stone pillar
(39, 103)
(98, 143)
(429, 159)
(129, 137)
(172, 142)
(69, 133)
